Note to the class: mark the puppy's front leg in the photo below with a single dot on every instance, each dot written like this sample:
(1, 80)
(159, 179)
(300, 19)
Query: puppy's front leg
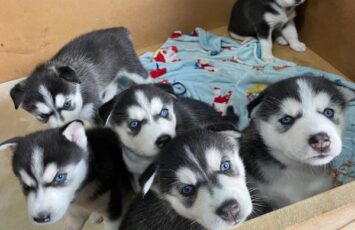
(112, 224)
(264, 35)
(75, 218)
(290, 34)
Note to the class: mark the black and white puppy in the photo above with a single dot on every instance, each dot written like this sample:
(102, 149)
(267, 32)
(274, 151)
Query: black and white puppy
(197, 182)
(70, 170)
(79, 78)
(146, 117)
(295, 131)
(265, 20)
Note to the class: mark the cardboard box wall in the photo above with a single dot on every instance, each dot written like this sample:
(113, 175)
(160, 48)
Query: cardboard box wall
(32, 31)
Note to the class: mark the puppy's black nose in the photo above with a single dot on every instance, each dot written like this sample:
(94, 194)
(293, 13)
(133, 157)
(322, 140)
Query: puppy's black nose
(229, 210)
(162, 140)
(319, 142)
(42, 218)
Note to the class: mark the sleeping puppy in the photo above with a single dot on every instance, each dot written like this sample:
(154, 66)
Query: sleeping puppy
(71, 85)
(295, 132)
(146, 117)
(197, 182)
(265, 20)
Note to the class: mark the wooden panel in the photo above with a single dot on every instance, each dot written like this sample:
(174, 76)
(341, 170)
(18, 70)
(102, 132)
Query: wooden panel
(32, 31)
(341, 218)
(328, 28)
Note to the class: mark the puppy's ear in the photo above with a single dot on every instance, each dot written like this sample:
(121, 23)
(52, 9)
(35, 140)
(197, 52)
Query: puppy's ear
(11, 143)
(346, 92)
(68, 74)
(17, 93)
(166, 87)
(146, 180)
(75, 132)
(105, 111)
(252, 106)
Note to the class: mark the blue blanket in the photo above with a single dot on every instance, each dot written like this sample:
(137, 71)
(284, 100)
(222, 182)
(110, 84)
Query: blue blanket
(219, 71)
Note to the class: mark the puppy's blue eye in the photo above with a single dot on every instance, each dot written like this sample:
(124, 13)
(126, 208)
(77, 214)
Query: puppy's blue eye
(134, 124)
(328, 112)
(60, 178)
(225, 166)
(67, 105)
(164, 113)
(187, 190)
(287, 120)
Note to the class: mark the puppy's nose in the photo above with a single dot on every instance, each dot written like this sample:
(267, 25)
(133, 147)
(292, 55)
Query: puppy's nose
(319, 142)
(229, 210)
(42, 218)
(162, 140)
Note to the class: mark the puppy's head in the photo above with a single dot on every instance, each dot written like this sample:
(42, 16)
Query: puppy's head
(289, 3)
(202, 177)
(143, 116)
(301, 119)
(50, 165)
(51, 93)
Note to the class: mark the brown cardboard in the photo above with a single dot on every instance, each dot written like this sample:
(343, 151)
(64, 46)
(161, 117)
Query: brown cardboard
(32, 31)
(328, 28)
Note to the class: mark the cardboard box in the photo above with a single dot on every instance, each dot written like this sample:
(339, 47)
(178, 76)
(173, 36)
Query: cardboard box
(32, 31)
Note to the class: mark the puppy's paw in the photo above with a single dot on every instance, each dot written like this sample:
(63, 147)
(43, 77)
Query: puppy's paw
(298, 46)
(281, 40)
(96, 218)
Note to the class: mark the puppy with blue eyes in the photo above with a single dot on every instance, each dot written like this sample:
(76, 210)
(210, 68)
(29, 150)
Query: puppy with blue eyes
(197, 182)
(71, 171)
(146, 117)
(295, 131)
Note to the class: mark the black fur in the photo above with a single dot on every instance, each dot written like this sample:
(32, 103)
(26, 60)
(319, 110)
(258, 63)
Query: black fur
(91, 60)
(149, 212)
(105, 164)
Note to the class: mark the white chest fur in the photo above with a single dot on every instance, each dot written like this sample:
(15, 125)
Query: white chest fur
(281, 18)
(294, 183)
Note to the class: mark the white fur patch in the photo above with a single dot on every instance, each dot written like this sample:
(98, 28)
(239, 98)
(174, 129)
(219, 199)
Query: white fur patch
(213, 157)
(37, 162)
(186, 176)
(46, 95)
(59, 100)
(147, 185)
(42, 108)
(49, 173)
(137, 113)
(26, 179)
(156, 105)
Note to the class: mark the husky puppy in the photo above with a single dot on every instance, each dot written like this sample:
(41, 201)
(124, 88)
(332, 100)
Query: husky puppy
(70, 170)
(295, 131)
(265, 20)
(146, 117)
(198, 182)
(79, 78)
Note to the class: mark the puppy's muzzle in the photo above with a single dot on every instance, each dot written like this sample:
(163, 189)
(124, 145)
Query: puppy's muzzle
(162, 141)
(42, 218)
(320, 142)
(229, 210)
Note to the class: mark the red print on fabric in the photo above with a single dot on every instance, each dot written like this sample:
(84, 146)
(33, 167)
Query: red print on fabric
(220, 102)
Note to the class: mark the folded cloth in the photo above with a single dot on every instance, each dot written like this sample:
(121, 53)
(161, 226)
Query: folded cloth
(222, 73)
